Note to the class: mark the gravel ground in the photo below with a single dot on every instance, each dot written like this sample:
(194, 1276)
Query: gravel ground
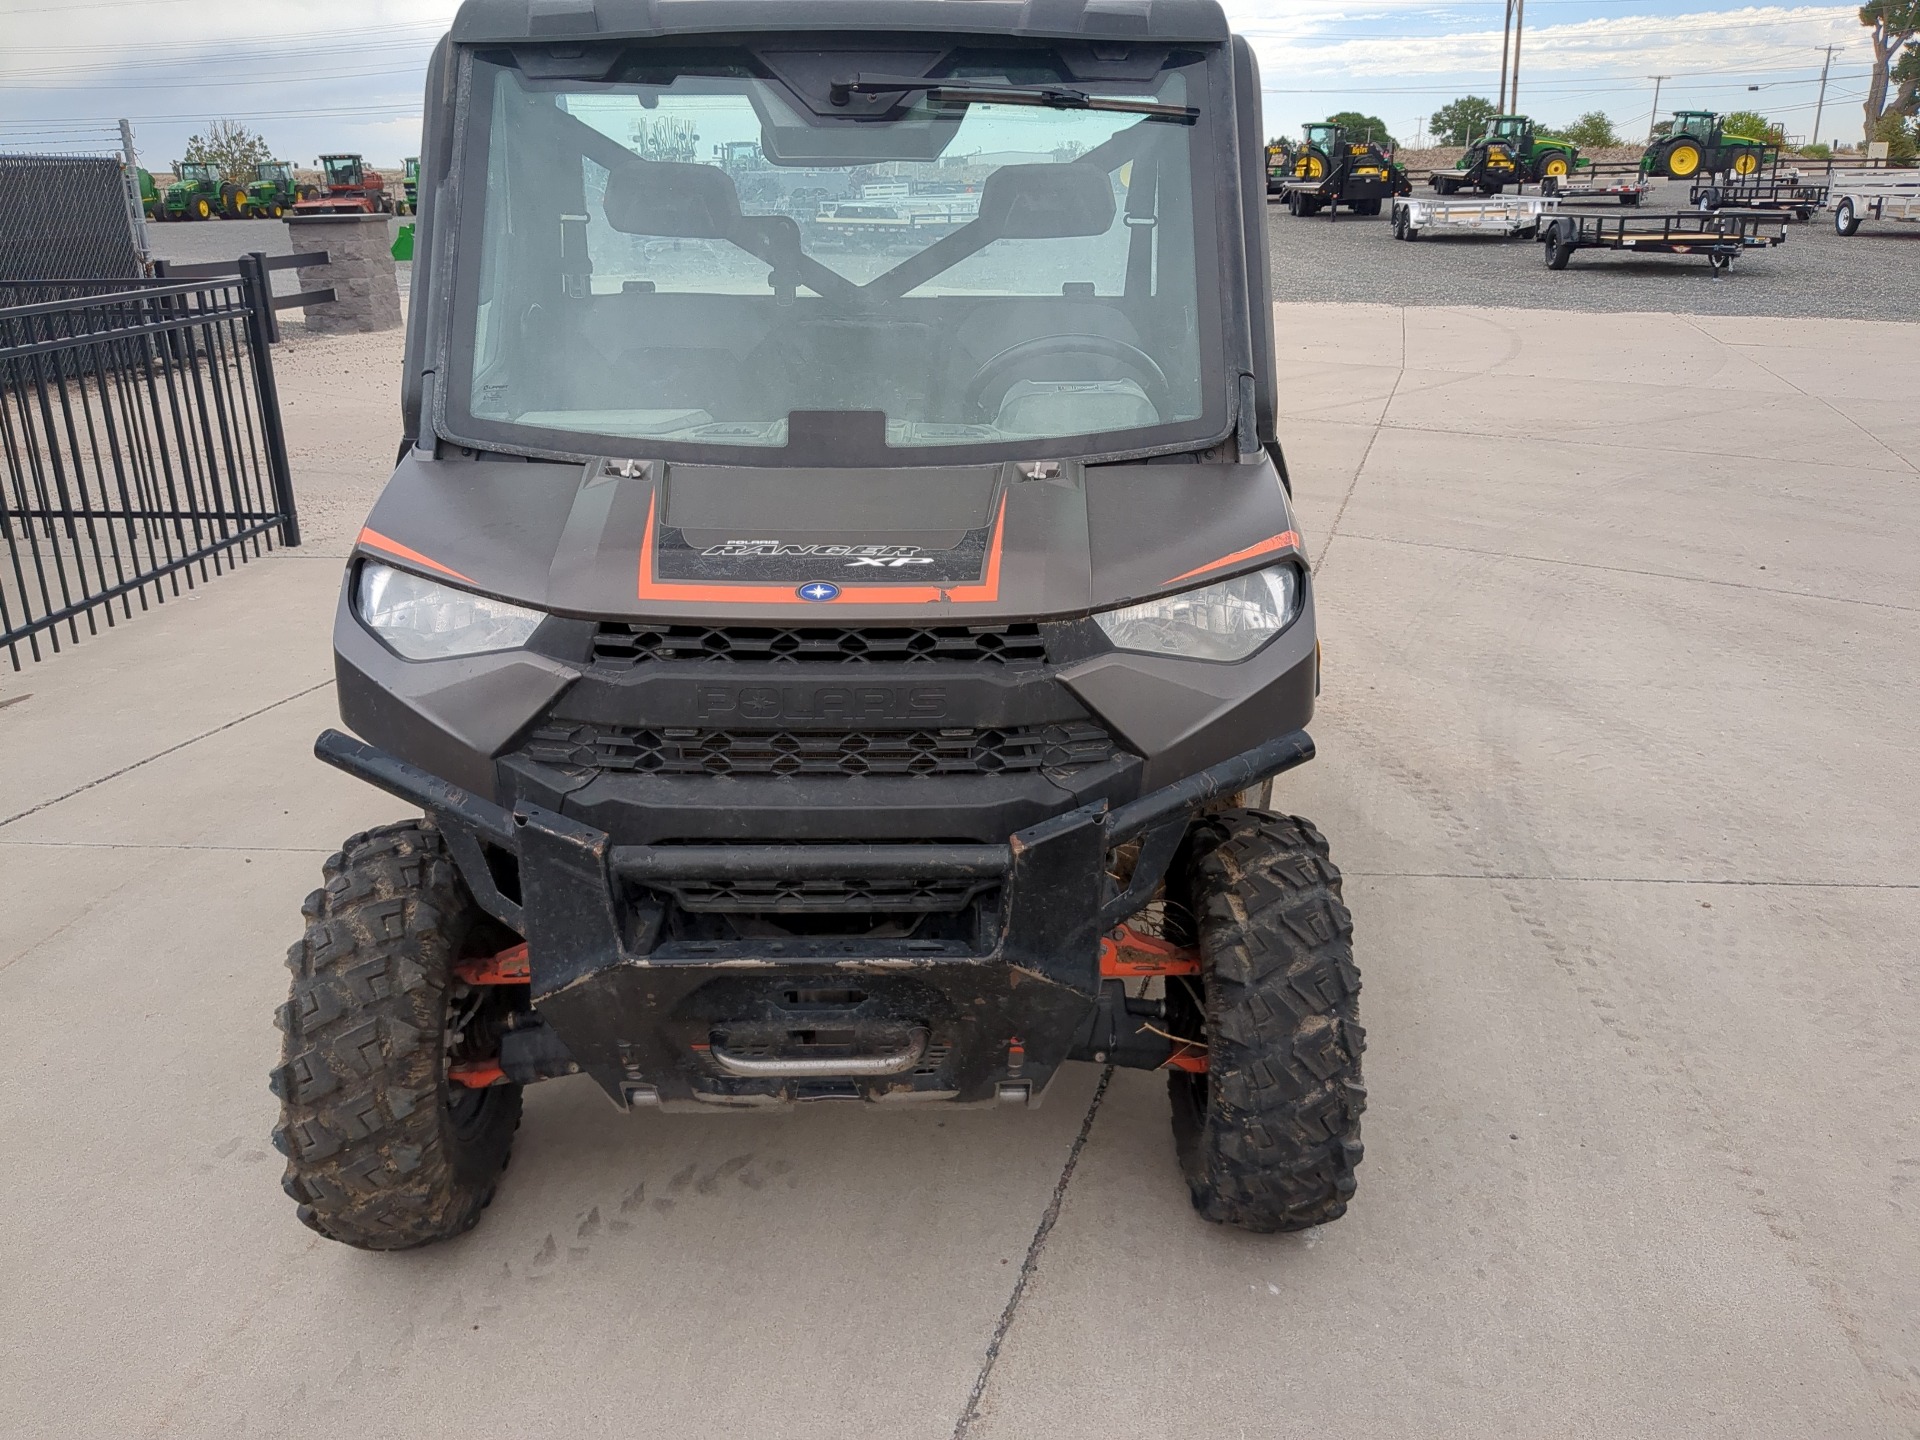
(1874, 275)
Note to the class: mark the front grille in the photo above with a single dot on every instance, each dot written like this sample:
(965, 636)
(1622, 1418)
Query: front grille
(1051, 749)
(865, 896)
(628, 644)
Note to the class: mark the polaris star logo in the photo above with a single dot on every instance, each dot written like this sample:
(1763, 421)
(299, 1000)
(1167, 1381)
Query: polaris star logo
(819, 590)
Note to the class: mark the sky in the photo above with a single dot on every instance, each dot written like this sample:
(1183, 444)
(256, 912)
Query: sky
(346, 75)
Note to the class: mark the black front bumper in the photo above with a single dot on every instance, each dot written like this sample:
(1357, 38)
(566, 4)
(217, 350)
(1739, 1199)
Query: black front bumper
(708, 1022)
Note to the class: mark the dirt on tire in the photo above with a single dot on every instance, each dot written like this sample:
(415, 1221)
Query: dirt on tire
(1269, 1136)
(381, 1152)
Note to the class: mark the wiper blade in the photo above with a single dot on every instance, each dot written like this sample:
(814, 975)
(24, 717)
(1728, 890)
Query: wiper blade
(1053, 97)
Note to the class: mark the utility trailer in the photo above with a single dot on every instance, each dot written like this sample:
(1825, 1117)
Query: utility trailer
(1720, 237)
(1630, 191)
(1858, 195)
(1771, 188)
(1788, 194)
(1504, 215)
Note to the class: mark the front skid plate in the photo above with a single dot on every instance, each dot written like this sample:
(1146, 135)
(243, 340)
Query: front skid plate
(629, 1014)
(634, 1023)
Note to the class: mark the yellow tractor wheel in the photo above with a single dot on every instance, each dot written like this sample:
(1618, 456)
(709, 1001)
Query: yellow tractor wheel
(1745, 163)
(1310, 168)
(1682, 160)
(1553, 167)
(202, 210)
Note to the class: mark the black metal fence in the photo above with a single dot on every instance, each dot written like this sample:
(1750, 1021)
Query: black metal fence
(142, 449)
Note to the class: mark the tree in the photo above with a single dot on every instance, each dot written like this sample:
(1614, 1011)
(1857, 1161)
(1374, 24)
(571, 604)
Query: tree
(1592, 131)
(1894, 129)
(238, 151)
(1894, 26)
(1752, 125)
(1365, 126)
(1458, 122)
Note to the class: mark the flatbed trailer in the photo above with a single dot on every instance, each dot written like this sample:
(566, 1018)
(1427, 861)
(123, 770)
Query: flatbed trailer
(1626, 192)
(1503, 215)
(1722, 237)
(1787, 193)
(1855, 196)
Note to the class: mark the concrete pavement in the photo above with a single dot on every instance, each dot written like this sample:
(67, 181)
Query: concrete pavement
(1621, 670)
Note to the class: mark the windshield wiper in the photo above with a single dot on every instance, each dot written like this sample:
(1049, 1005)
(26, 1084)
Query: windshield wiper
(1053, 97)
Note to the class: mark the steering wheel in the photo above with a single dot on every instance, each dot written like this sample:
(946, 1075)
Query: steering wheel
(998, 370)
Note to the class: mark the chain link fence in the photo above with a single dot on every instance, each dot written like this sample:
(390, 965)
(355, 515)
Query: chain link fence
(65, 217)
(72, 202)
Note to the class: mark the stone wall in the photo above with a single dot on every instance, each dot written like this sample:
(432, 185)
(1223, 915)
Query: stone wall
(359, 271)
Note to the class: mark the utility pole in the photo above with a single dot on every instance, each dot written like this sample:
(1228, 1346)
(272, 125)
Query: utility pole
(1519, 23)
(1655, 119)
(1822, 105)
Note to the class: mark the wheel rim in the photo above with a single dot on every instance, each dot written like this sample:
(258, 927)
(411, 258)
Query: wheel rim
(1683, 160)
(1555, 167)
(1746, 163)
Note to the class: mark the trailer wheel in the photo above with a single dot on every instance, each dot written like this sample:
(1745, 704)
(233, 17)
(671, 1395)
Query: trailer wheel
(384, 1150)
(1845, 222)
(1559, 248)
(1269, 1134)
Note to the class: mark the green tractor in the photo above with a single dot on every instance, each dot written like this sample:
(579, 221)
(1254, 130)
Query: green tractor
(200, 192)
(1697, 143)
(410, 183)
(274, 190)
(1510, 154)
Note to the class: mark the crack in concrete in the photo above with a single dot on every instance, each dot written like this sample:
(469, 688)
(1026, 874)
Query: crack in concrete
(162, 754)
(1032, 1261)
(1366, 454)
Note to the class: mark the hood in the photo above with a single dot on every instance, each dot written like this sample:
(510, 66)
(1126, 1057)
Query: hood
(655, 540)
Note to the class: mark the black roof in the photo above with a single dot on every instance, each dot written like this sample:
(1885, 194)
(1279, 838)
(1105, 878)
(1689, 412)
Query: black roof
(482, 21)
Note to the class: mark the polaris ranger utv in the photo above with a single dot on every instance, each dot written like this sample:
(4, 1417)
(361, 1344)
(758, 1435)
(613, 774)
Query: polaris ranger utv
(827, 672)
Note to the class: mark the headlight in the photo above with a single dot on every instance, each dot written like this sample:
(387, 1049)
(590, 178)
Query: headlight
(1226, 621)
(424, 620)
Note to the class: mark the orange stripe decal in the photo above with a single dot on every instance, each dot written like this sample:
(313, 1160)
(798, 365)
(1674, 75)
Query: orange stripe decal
(1286, 540)
(747, 592)
(372, 537)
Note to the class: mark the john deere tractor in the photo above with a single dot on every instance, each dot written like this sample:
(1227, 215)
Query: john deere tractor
(274, 190)
(200, 192)
(1697, 143)
(1510, 154)
(1331, 166)
(410, 183)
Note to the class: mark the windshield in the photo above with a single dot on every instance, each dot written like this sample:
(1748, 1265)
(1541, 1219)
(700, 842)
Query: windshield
(342, 171)
(192, 173)
(650, 273)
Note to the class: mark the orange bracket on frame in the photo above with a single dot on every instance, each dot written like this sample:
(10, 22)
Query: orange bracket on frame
(1134, 954)
(509, 967)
